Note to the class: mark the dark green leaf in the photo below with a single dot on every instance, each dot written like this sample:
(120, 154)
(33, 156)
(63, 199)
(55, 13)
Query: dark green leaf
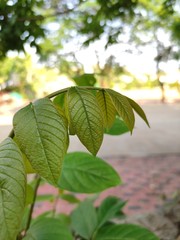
(86, 118)
(64, 219)
(118, 128)
(107, 108)
(12, 189)
(86, 79)
(123, 108)
(48, 229)
(138, 110)
(85, 173)
(125, 232)
(84, 219)
(42, 135)
(108, 209)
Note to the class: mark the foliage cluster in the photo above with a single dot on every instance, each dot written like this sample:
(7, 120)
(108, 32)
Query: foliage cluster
(92, 19)
(38, 144)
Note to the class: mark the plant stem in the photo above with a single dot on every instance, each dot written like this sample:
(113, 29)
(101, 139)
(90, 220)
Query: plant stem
(54, 94)
(55, 204)
(38, 179)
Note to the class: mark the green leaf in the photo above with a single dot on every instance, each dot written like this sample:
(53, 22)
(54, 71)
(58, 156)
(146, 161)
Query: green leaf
(59, 100)
(28, 167)
(42, 135)
(86, 118)
(125, 232)
(48, 229)
(85, 173)
(118, 128)
(84, 219)
(107, 108)
(64, 219)
(70, 198)
(12, 189)
(29, 194)
(138, 110)
(71, 129)
(123, 108)
(24, 220)
(86, 79)
(27, 164)
(44, 197)
(108, 209)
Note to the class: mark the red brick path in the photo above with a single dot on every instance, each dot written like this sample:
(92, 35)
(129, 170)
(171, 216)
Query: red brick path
(145, 182)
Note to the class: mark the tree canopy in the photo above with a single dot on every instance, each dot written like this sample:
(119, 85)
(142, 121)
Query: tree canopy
(30, 21)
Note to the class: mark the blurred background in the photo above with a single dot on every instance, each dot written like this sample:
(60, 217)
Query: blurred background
(131, 46)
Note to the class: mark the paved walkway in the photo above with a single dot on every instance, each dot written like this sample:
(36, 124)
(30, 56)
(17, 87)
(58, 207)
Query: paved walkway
(148, 161)
(147, 181)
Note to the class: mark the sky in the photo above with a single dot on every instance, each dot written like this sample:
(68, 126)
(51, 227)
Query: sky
(138, 64)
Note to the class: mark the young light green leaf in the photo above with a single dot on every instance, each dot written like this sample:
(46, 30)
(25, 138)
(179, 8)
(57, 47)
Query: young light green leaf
(87, 79)
(45, 197)
(123, 108)
(125, 232)
(86, 118)
(71, 198)
(118, 128)
(138, 110)
(84, 219)
(48, 229)
(41, 134)
(12, 189)
(59, 100)
(107, 108)
(85, 173)
(28, 167)
(108, 209)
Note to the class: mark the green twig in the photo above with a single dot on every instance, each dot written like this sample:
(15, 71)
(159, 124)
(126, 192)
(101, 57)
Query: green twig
(54, 94)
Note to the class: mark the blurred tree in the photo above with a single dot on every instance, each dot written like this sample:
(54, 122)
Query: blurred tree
(26, 19)
(158, 25)
(108, 74)
(50, 25)
(19, 24)
(30, 21)
(16, 74)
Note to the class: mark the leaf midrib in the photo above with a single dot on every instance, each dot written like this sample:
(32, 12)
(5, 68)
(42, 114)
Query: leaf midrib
(88, 120)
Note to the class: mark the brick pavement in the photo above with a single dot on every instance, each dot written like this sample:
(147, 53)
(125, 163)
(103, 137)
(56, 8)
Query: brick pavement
(146, 181)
